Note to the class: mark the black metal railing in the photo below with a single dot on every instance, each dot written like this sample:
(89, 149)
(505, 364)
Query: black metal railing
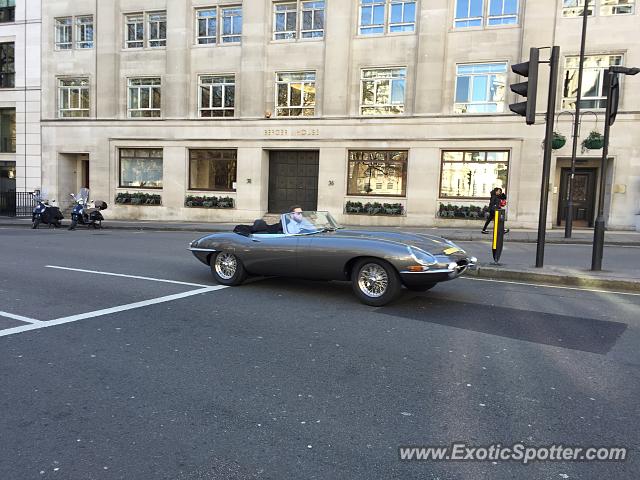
(17, 204)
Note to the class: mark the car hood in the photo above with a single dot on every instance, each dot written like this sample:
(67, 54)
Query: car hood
(430, 243)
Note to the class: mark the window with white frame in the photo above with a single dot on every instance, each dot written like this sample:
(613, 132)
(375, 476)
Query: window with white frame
(84, 31)
(312, 19)
(502, 12)
(480, 88)
(228, 30)
(73, 97)
(382, 91)
(74, 31)
(592, 94)
(479, 13)
(134, 27)
(298, 19)
(386, 16)
(285, 20)
(216, 95)
(295, 94)
(146, 29)
(157, 29)
(575, 8)
(143, 99)
(64, 33)
(231, 19)
(206, 28)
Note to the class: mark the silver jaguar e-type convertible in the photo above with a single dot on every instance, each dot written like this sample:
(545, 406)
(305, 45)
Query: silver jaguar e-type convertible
(311, 245)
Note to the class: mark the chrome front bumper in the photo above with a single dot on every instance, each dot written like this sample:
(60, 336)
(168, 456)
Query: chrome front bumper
(453, 269)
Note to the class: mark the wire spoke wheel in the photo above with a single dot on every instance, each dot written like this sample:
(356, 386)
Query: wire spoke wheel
(373, 280)
(226, 265)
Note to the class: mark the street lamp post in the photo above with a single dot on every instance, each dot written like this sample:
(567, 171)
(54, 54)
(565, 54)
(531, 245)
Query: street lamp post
(568, 220)
(613, 94)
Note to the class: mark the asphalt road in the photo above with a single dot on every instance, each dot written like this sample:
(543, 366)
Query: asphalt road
(134, 378)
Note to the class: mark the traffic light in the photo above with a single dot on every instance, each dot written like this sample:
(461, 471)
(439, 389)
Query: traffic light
(527, 89)
(612, 85)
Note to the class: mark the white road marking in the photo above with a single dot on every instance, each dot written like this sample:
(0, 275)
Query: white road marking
(19, 317)
(108, 311)
(127, 276)
(552, 286)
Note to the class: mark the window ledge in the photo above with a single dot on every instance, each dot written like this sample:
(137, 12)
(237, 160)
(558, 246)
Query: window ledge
(142, 49)
(387, 34)
(483, 28)
(296, 40)
(215, 45)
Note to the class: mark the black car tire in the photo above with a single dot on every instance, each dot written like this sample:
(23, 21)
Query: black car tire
(227, 269)
(421, 288)
(375, 293)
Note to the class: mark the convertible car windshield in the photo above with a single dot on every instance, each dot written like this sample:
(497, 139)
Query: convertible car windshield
(308, 222)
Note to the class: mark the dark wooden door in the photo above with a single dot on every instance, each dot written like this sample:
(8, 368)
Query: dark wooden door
(293, 180)
(584, 192)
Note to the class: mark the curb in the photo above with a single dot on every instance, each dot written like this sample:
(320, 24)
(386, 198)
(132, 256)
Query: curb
(576, 279)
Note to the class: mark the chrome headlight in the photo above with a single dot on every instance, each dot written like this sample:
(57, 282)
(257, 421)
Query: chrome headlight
(422, 257)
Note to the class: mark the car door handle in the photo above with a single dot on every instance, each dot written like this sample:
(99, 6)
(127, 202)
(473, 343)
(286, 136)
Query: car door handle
(255, 239)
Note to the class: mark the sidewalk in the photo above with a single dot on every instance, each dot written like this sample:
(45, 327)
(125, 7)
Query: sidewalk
(565, 267)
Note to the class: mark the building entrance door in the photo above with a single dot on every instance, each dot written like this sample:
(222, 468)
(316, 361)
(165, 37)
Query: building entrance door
(293, 180)
(7, 188)
(584, 195)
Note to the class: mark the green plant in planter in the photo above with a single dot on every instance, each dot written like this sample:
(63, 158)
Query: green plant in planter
(558, 140)
(595, 141)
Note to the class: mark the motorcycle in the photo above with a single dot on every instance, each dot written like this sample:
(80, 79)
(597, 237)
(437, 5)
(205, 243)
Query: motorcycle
(45, 213)
(84, 214)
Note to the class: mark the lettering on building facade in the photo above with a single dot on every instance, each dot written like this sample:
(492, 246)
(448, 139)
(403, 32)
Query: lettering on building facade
(288, 132)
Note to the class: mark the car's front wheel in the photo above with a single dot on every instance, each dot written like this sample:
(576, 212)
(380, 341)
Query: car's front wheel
(227, 269)
(375, 282)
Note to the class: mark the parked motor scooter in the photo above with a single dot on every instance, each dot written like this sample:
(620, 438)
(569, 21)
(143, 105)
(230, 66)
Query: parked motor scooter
(83, 213)
(45, 213)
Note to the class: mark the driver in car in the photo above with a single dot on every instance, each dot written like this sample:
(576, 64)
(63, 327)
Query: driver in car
(297, 222)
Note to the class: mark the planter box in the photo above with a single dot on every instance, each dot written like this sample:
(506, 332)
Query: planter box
(198, 201)
(462, 212)
(374, 209)
(365, 214)
(138, 199)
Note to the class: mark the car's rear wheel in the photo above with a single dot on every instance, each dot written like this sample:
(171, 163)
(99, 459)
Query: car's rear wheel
(375, 282)
(227, 269)
(421, 288)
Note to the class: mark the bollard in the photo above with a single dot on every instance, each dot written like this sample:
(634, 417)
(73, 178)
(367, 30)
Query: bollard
(498, 235)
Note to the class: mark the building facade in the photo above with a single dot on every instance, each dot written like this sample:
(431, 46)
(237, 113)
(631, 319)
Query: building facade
(392, 107)
(19, 98)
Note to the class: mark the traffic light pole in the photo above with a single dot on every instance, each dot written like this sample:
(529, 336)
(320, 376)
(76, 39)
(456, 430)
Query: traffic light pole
(568, 219)
(546, 164)
(598, 231)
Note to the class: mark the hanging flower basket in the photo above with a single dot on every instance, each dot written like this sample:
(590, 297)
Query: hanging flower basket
(595, 141)
(558, 140)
